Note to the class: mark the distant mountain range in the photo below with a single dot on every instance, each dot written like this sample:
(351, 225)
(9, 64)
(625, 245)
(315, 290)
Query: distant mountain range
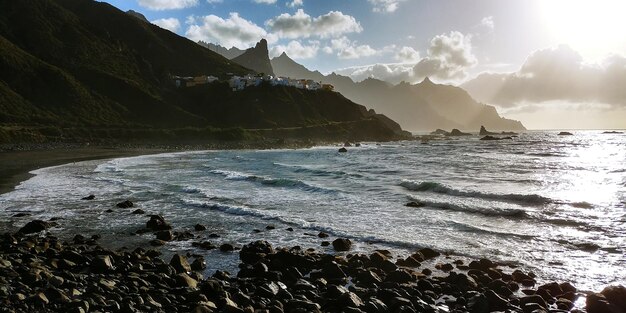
(420, 107)
(84, 70)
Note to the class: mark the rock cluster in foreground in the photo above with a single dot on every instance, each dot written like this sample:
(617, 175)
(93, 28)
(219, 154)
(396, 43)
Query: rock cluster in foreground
(42, 274)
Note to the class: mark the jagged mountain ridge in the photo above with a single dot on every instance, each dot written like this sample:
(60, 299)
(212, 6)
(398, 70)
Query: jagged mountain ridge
(230, 54)
(256, 58)
(419, 107)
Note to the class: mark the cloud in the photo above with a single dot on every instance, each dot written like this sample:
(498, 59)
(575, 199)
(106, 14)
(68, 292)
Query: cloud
(408, 55)
(297, 50)
(555, 75)
(171, 24)
(348, 49)
(167, 4)
(233, 31)
(295, 3)
(265, 1)
(449, 57)
(302, 25)
(214, 1)
(385, 6)
(488, 22)
(393, 73)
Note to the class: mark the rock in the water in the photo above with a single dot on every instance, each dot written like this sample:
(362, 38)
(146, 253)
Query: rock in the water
(165, 235)
(199, 227)
(125, 204)
(342, 150)
(139, 211)
(598, 303)
(415, 204)
(34, 226)
(183, 280)
(89, 197)
(342, 244)
(456, 132)
(180, 264)
(157, 222)
(227, 247)
(565, 134)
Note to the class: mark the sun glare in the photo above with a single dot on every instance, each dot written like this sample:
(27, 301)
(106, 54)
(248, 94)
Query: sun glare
(592, 27)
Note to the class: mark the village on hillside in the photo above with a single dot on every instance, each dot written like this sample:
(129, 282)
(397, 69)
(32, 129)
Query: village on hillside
(238, 83)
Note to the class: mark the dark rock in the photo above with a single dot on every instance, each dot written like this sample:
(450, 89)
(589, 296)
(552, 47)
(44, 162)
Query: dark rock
(322, 235)
(34, 226)
(102, 264)
(125, 204)
(206, 245)
(415, 204)
(157, 222)
(342, 244)
(183, 280)
(408, 262)
(428, 253)
(399, 276)
(616, 295)
(227, 247)
(89, 197)
(375, 306)
(180, 264)
(165, 235)
(534, 299)
(199, 227)
(199, 264)
(350, 299)
(565, 134)
(455, 132)
(325, 243)
(496, 303)
(157, 243)
(270, 227)
(343, 150)
(139, 211)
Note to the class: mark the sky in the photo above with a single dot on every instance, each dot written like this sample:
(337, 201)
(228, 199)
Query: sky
(535, 60)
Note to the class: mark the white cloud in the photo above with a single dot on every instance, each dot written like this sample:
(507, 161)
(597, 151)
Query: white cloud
(348, 49)
(385, 6)
(295, 3)
(233, 31)
(297, 50)
(555, 75)
(171, 24)
(488, 22)
(393, 73)
(302, 25)
(449, 57)
(167, 4)
(407, 55)
(214, 1)
(265, 1)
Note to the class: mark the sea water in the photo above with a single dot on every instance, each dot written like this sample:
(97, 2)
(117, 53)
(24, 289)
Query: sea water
(555, 205)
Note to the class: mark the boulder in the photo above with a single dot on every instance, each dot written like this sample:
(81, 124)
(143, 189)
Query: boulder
(89, 197)
(157, 222)
(102, 264)
(183, 280)
(199, 227)
(484, 131)
(598, 303)
(139, 211)
(440, 132)
(165, 235)
(34, 226)
(415, 204)
(343, 150)
(616, 295)
(565, 134)
(180, 264)
(342, 244)
(125, 204)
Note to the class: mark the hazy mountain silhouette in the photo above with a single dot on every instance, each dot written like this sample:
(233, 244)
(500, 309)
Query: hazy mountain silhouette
(231, 53)
(423, 106)
(83, 70)
(137, 15)
(256, 58)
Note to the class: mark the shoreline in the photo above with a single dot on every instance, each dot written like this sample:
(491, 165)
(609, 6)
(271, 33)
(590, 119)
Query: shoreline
(17, 161)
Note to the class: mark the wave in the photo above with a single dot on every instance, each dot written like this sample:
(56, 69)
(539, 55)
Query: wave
(530, 199)
(273, 182)
(512, 213)
(315, 171)
(189, 189)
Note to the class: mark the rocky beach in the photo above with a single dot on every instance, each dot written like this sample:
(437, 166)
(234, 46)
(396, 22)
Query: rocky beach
(42, 273)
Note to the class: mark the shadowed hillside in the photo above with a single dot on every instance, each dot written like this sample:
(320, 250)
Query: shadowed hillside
(75, 68)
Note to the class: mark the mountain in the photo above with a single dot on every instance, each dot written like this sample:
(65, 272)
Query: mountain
(231, 53)
(84, 70)
(419, 107)
(137, 15)
(256, 58)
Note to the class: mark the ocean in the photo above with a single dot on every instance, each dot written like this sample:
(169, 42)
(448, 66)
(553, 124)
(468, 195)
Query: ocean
(554, 205)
